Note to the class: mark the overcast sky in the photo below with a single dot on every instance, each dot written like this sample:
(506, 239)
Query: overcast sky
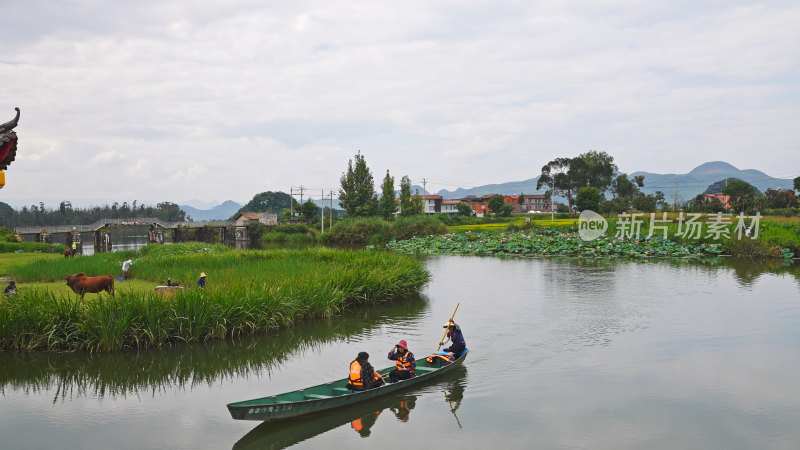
(217, 100)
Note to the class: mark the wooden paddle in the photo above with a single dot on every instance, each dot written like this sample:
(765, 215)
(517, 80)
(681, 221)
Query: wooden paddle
(448, 328)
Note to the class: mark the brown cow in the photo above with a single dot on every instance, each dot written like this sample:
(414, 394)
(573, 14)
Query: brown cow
(81, 284)
(68, 253)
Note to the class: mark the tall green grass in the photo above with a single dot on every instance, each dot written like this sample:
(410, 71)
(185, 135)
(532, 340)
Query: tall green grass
(248, 292)
(8, 247)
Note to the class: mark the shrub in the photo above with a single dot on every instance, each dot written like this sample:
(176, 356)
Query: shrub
(408, 227)
(360, 230)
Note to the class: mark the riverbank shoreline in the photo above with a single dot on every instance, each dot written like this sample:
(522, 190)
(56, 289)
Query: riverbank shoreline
(247, 292)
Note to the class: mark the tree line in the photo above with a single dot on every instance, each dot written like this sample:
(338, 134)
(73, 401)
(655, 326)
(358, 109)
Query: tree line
(37, 215)
(358, 198)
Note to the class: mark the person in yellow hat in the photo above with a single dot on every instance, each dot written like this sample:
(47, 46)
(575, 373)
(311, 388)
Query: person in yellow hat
(201, 283)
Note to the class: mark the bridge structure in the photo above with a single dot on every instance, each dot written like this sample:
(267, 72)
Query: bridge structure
(209, 231)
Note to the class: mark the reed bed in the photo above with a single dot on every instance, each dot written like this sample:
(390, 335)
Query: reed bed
(248, 292)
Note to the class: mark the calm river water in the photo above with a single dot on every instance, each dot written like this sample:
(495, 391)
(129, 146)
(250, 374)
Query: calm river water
(564, 354)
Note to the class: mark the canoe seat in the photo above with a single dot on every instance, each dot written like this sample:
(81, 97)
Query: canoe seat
(316, 396)
(341, 391)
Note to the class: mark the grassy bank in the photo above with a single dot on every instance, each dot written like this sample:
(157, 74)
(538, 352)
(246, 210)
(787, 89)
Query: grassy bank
(248, 292)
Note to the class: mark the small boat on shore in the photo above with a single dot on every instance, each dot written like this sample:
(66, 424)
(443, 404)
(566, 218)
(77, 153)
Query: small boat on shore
(334, 394)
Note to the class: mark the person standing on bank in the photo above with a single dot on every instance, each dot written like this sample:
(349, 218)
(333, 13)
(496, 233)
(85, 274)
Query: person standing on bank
(126, 268)
(362, 374)
(201, 283)
(74, 248)
(405, 362)
(454, 335)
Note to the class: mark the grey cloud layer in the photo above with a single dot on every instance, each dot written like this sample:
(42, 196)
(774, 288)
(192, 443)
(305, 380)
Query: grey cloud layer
(159, 100)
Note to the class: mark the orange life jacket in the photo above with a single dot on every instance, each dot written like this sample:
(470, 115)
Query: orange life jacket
(355, 374)
(402, 364)
(433, 357)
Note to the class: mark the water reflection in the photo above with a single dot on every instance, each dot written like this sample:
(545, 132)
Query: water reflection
(154, 371)
(360, 418)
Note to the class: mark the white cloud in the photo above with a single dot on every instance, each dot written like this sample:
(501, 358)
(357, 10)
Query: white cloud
(267, 97)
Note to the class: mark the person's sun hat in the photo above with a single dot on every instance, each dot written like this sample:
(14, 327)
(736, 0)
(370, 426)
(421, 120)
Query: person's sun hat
(202, 274)
(403, 344)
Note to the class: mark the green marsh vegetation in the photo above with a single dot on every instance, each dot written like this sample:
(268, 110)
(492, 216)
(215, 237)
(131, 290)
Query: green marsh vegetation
(375, 230)
(549, 241)
(777, 239)
(248, 292)
(118, 374)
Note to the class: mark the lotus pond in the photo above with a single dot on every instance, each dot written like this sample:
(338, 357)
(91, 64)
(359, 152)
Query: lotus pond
(544, 242)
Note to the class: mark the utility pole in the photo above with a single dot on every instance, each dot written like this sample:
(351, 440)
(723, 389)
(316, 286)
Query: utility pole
(291, 202)
(424, 193)
(302, 188)
(331, 222)
(322, 209)
(553, 200)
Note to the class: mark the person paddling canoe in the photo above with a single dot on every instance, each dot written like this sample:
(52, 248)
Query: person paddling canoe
(454, 336)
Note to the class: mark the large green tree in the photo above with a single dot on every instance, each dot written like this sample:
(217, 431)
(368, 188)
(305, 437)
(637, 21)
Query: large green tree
(597, 170)
(561, 175)
(266, 201)
(464, 209)
(797, 184)
(496, 204)
(743, 194)
(310, 211)
(387, 204)
(357, 195)
(588, 198)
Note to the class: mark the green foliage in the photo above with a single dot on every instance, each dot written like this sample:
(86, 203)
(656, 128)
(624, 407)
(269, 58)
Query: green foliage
(464, 210)
(496, 204)
(743, 194)
(614, 206)
(357, 194)
(39, 215)
(542, 241)
(361, 230)
(387, 204)
(29, 247)
(406, 204)
(588, 197)
(796, 184)
(407, 227)
(270, 201)
(779, 199)
(248, 292)
(373, 230)
(566, 175)
(310, 211)
(644, 203)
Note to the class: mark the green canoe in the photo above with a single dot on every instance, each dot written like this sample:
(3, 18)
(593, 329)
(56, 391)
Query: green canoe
(331, 395)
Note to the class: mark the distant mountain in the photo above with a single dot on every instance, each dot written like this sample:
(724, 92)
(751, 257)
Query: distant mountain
(687, 186)
(202, 204)
(511, 188)
(698, 180)
(220, 212)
